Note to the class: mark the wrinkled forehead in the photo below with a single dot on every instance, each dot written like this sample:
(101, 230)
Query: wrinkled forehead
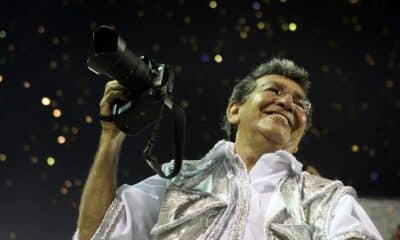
(281, 82)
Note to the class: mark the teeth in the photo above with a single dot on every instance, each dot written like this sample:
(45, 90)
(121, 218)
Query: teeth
(278, 114)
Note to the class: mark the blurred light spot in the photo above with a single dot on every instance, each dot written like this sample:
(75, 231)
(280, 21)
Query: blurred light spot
(285, 26)
(156, 47)
(55, 41)
(88, 119)
(3, 34)
(184, 103)
(371, 152)
(178, 68)
(26, 148)
(92, 25)
(34, 160)
(65, 129)
(353, 1)
(68, 183)
(12, 235)
(256, 5)
(65, 56)
(46, 101)
(358, 28)
(140, 13)
(80, 101)
(3, 157)
(41, 29)
(78, 182)
(11, 47)
(64, 190)
(53, 64)
(26, 84)
(261, 25)
(389, 84)
(187, 19)
(61, 139)
(59, 92)
(9, 183)
(337, 106)
(292, 27)
(283, 1)
(51, 161)
(57, 113)
(369, 59)
(243, 35)
(74, 130)
(212, 4)
(259, 14)
(205, 58)
(1, 78)
(325, 68)
(374, 176)
(218, 58)
(242, 20)
(364, 106)
(355, 148)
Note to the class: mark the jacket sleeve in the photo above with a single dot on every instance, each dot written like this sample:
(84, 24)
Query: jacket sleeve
(351, 221)
(133, 212)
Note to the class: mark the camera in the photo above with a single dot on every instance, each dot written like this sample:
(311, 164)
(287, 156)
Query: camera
(150, 84)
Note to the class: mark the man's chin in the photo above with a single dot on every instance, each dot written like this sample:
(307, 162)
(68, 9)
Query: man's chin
(278, 136)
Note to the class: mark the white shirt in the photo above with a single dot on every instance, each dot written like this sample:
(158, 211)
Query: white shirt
(141, 203)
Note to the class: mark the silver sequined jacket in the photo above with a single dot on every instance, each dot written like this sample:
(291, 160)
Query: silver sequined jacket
(200, 201)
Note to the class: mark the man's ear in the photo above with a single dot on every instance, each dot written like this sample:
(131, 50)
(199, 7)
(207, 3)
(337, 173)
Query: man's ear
(232, 112)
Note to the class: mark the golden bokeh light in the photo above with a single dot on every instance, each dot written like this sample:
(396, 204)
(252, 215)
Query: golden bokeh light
(261, 25)
(61, 139)
(355, 148)
(46, 101)
(3, 157)
(26, 84)
(88, 119)
(41, 29)
(57, 113)
(218, 58)
(212, 4)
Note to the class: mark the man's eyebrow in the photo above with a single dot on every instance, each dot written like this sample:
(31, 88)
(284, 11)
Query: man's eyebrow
(297, 94)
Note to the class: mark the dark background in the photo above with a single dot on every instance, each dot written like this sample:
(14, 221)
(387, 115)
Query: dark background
(350, 48)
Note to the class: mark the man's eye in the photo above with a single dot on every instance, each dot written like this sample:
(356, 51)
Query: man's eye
(274, 90)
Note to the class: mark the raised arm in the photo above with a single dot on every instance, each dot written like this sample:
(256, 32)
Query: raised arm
(101, 184)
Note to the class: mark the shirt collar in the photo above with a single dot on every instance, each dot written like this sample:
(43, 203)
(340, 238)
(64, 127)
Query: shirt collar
(269, 163)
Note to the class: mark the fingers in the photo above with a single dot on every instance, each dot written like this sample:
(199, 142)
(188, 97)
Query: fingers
(113, 85)
(113, 91)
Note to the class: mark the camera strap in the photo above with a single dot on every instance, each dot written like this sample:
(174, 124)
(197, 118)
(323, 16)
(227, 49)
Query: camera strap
(179, 143)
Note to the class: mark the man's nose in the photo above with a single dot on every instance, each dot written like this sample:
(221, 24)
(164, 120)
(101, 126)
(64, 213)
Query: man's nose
(286, 102)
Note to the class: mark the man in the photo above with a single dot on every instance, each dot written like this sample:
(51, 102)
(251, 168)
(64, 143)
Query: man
(252, 188)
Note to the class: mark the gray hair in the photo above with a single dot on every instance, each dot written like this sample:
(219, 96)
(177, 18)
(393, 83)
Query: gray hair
(244, 87)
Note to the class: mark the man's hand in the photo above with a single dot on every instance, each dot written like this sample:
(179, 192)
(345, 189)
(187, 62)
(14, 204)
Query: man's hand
(112, 92)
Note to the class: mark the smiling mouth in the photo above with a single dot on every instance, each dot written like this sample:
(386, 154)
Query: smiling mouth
(280, 115)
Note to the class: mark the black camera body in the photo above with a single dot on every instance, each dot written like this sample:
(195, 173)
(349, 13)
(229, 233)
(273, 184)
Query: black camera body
(150, 84)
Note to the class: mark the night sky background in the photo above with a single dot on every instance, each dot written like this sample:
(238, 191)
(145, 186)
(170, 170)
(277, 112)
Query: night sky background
(49, 99)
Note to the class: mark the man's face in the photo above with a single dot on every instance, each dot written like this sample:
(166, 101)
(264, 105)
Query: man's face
(274, 113)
